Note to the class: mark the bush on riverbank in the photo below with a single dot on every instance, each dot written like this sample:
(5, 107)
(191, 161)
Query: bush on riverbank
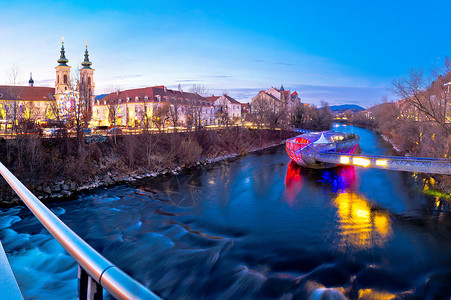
(61, 164)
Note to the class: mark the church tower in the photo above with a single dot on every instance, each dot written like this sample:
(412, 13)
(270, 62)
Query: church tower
(282, 94)
(62, 83)
(86, 83)
(87, 73)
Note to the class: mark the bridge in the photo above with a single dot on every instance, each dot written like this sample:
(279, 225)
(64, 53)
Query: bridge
(328, 149)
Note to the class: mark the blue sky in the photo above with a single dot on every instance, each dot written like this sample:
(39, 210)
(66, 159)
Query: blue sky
(336, 51)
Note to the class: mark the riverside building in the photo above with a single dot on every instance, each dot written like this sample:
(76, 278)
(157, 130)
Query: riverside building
(152, 105)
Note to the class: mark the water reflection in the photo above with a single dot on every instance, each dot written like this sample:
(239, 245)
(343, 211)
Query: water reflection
(339, 179)
(360, 225)
(293, 182)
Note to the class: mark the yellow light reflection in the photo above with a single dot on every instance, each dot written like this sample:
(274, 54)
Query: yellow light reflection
(359, 161)
(374, 294)
(344, 160)
(360, 226)
(381, 162)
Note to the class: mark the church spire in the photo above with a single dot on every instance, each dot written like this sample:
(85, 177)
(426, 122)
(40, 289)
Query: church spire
(86, 63)
(31, 81)
(63, 60)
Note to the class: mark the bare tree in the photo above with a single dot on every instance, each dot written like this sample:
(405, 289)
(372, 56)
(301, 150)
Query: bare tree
(223, 111)
(83, 111)
(15, 92)
(160, 115)
(430, 97)
(297, 116)
(112, 109)
(190, 113)
(199, 89)
(194, 110)
(174, 112)
(28, 116)
(52, 110)
(261, 107)
(325, 116)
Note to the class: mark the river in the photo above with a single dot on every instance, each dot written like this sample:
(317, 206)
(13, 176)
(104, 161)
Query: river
(255, 227)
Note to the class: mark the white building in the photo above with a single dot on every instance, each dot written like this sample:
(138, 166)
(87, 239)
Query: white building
(225, 107)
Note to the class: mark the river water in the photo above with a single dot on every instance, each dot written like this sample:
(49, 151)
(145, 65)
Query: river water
(255, 227)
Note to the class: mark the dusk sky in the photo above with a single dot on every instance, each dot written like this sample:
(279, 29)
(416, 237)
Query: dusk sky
(336, 51)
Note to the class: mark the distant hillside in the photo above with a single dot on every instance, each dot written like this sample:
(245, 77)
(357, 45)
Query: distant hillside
(337, 108)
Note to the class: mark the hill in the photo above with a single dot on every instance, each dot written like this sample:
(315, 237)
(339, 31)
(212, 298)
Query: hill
(344, 107)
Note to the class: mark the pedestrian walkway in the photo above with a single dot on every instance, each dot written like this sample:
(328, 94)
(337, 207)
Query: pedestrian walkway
(9, 289)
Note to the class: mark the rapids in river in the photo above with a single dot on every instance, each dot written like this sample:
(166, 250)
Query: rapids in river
(255, 227)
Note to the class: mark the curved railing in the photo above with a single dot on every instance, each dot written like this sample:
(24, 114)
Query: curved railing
(92, 265)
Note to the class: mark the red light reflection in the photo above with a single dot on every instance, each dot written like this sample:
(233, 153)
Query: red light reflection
(339, 179)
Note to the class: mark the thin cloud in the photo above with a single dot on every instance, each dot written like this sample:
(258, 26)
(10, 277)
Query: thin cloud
(189, 80)
(45, 82)
(220, 76)
(127, 76)
(283, 64)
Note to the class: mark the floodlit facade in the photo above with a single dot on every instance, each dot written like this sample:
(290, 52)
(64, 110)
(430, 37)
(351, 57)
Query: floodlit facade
(24, 103)
(277, 99)
(144, 106)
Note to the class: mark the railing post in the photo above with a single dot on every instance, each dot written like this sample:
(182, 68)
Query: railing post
(88, 288)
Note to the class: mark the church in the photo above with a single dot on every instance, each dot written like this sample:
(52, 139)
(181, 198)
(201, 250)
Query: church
(34, 105)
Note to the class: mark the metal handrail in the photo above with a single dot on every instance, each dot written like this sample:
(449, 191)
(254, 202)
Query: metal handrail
(114, 280)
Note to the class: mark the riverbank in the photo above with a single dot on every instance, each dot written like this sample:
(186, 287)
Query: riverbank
(111, 160)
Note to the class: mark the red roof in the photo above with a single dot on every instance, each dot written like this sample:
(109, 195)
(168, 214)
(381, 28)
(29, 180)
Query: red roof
(30, 93)
(153, 94)
(212, 98)
(232, 100)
